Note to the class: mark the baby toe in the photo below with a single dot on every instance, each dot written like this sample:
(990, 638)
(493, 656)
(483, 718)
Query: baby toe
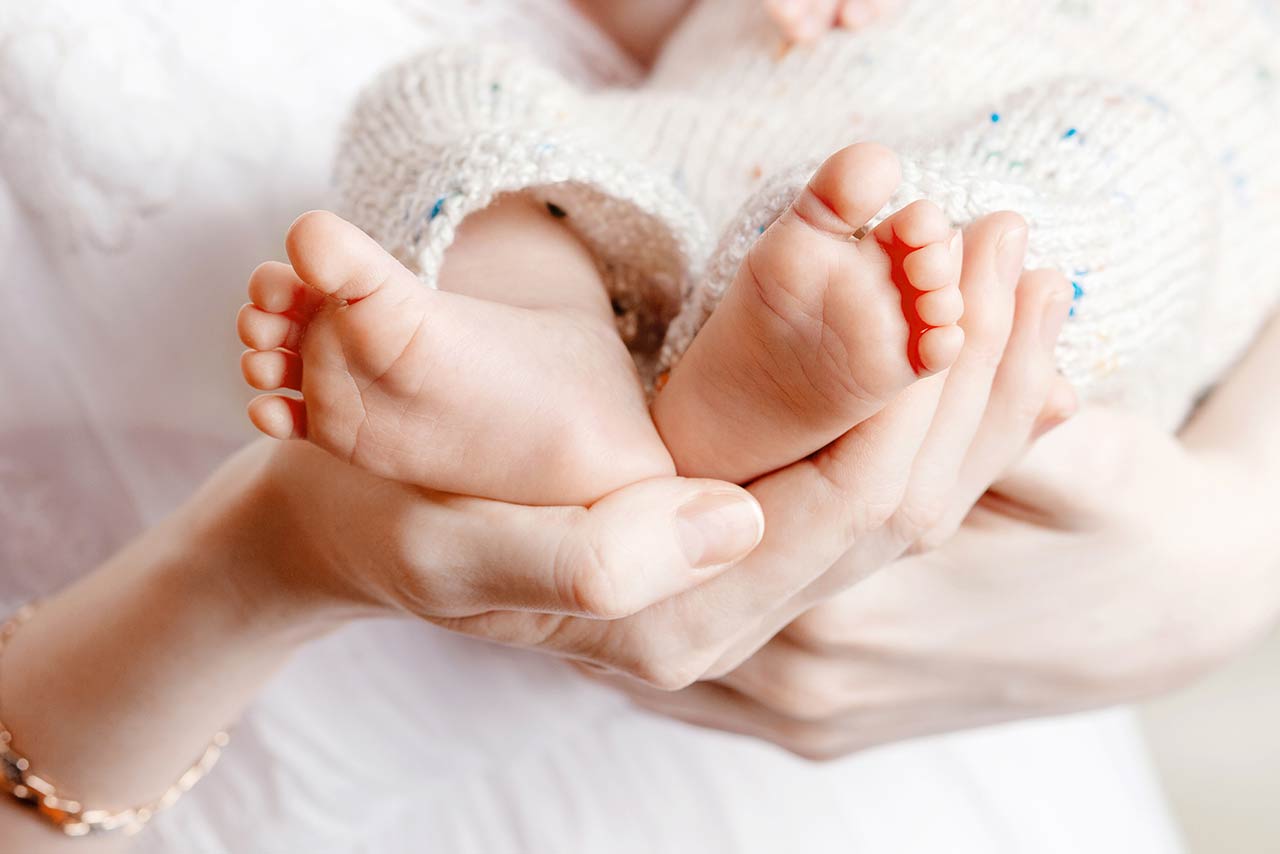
(263, 330)
(939, 348)
(935, 266)
(278, 416)
(274, 287)
(941, 307)
(918, 224)
(271, 369)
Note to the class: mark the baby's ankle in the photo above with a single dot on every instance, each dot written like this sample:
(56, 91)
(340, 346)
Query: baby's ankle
(520, 252)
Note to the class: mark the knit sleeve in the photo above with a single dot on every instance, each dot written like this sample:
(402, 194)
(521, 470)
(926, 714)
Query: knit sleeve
(1119, 196)
(442, 135)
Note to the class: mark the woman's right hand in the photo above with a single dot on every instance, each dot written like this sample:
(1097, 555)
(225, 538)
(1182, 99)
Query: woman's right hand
(118, 680)
(358, 541)
(613, 586)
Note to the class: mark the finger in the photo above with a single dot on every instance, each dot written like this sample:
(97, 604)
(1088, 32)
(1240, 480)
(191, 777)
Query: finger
(1018, 397)
(1056, 478)
(674, 642)
(994, 249)
(795, 683)
(1060, 404)
(827, 525)
(817, 508)
(715, 706)
(912, 479)
(633, 548)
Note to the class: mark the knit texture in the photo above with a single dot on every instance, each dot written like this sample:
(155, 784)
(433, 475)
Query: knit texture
(1140, 143)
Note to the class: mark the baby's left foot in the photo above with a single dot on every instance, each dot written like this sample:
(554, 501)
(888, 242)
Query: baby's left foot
(819, 329)
(806, 20)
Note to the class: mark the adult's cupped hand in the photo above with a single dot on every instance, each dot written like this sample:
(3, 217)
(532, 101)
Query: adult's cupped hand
(1115, 562)
(613, 586)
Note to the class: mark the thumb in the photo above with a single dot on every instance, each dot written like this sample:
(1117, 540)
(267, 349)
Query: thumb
(631, 549)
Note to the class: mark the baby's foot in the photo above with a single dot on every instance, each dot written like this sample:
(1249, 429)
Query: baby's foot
(806, 20)
(818, 330)
(440, 389)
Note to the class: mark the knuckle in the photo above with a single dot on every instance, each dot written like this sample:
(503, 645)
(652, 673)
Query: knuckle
(986, 334)
(920, 513)
(935, 537)
(871, 514)
(985, 347)
(815, 743)
(1028, 402)
(666, 673)
(877, 514)
(586, 584)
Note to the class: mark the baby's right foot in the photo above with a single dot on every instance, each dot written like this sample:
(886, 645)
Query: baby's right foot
(444, 390)
(819, 330)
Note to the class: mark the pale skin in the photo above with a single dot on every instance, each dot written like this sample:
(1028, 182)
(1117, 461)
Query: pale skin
(215, 554)
(1179, 532)
(250, 569)
(264, 558)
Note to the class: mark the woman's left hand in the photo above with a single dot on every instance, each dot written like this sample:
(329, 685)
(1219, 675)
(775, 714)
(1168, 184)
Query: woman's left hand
(1117, 562)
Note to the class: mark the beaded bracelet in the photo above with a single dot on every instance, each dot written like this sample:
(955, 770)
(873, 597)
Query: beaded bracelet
(68, 815)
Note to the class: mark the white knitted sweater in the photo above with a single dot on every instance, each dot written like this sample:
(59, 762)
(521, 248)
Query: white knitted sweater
(1139, 139)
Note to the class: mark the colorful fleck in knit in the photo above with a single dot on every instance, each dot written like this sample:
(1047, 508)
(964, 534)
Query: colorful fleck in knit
(1141, 140)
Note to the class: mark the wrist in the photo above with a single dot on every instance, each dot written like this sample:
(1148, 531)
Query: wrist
(118, 682)
(241, 547)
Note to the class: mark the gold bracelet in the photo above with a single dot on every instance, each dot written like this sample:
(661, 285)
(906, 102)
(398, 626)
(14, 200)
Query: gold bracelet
(68, 815)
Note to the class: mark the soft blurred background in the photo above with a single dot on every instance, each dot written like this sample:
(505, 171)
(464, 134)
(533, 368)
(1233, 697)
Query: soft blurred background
(1217, 745)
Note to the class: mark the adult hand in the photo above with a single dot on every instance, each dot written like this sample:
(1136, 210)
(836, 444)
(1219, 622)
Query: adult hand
(118, 680)
(1115, 563)
(866, 497)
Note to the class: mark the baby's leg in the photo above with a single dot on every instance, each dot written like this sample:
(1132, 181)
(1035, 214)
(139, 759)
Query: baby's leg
(533, 401)
(819, 330)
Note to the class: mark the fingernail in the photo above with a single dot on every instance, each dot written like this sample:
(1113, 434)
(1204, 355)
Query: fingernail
(719, 527)
(1011, 249)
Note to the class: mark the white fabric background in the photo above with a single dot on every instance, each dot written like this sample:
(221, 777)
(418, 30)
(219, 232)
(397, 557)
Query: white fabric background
(151, 154)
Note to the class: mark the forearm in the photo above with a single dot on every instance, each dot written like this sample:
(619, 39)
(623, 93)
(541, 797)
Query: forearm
(517, 252)
(117, 683)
